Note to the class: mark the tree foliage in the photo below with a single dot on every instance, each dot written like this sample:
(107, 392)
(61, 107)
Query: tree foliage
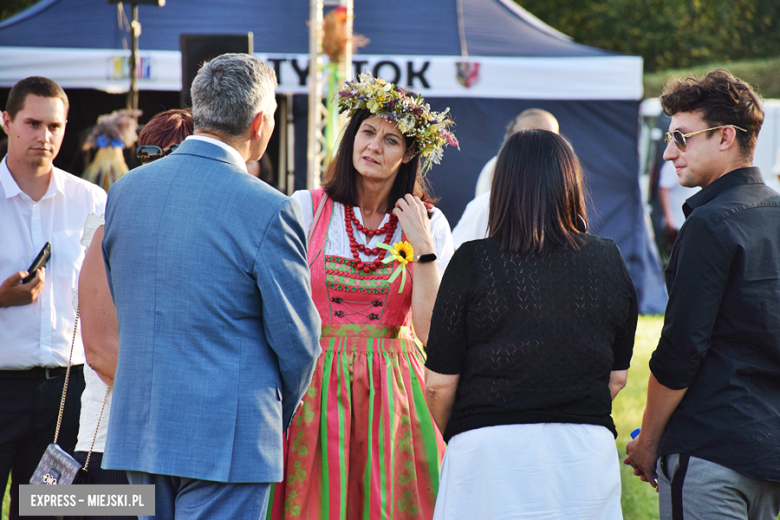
(762, 75)
(669, 33)
(8, 8)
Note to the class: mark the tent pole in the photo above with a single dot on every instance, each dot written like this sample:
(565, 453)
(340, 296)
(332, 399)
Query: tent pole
(135, 28)
(316, 146)
(290, 151)
(315, 142)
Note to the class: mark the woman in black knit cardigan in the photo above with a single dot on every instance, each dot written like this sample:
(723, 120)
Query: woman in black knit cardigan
(531, 339)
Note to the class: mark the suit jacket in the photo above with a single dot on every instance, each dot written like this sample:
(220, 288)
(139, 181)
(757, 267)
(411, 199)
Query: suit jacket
(218, 334)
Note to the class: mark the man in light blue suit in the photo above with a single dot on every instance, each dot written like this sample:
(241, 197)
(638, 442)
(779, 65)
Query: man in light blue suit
(218, 335)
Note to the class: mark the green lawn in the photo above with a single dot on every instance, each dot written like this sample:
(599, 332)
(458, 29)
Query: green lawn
(6, 500)
(639, 499)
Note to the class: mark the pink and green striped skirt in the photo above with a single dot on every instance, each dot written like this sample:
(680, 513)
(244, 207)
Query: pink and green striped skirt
(363, 443)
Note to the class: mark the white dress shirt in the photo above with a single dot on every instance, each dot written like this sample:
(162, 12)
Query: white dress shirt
(40, 334)
(485, 179)
(229, 149)
(473, 224)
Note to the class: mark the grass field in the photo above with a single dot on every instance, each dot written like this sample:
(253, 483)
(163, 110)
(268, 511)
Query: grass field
(639, 499)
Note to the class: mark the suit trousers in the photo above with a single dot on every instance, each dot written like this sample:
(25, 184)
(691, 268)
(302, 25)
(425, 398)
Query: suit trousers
(29, 405)
(179, 498)
(697, 489)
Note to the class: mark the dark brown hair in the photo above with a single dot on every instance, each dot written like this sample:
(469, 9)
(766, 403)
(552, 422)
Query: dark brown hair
(537, 202)
(340, 177)
(722, 99)
(37, 86)
(167, 128)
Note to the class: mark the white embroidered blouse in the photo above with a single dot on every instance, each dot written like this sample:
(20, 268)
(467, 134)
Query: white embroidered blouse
(337, 242)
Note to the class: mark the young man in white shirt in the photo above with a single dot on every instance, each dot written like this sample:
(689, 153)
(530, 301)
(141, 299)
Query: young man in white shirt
(39, 203)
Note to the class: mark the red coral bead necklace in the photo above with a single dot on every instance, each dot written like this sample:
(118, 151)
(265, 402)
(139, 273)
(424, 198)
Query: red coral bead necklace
(389, 230)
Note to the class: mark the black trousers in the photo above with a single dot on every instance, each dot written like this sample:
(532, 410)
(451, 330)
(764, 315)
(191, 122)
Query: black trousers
(97, 475)
(29, 405)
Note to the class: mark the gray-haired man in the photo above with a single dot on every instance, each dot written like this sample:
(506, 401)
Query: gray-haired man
(218, 335)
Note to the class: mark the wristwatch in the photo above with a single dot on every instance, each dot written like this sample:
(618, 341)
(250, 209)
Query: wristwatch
(427, 257)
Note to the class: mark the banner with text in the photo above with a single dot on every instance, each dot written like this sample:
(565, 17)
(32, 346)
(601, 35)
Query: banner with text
(577, 78)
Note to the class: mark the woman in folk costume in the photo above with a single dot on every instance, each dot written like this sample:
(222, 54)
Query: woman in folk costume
(363, 444)
(111, 135)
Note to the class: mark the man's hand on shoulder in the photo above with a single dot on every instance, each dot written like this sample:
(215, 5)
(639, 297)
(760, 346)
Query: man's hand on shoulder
(14, 293)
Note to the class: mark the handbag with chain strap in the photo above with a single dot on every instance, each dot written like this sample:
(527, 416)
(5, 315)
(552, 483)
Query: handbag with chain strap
(57, 467)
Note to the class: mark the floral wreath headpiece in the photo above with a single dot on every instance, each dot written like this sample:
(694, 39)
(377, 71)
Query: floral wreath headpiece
(413, 117)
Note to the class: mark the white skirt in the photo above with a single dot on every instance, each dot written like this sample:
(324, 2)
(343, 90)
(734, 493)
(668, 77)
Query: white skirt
(547, 471)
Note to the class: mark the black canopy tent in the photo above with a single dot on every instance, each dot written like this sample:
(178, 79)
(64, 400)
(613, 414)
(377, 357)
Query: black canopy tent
(485, 59)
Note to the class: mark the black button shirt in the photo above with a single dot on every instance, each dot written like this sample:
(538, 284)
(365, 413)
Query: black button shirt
(721, 335)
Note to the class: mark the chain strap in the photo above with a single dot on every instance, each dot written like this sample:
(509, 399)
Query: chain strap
(94, 437)
(65, 393)
(67, 377)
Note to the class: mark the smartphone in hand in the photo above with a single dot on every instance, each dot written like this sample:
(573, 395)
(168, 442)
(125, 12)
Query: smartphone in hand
(39, 262)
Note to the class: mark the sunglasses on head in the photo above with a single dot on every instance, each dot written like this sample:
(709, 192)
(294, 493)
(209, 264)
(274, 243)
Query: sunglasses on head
(678, 138)
(147, 153)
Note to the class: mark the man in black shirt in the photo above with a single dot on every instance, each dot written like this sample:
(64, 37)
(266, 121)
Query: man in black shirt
(712, 419)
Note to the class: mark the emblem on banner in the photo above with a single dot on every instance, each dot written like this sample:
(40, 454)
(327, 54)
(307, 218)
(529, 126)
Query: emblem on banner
(468, 73)
(119, 67)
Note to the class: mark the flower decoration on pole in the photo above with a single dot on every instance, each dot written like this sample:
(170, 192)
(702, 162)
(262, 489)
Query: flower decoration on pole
(335, 40)
(414, 118)
(403, 253)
